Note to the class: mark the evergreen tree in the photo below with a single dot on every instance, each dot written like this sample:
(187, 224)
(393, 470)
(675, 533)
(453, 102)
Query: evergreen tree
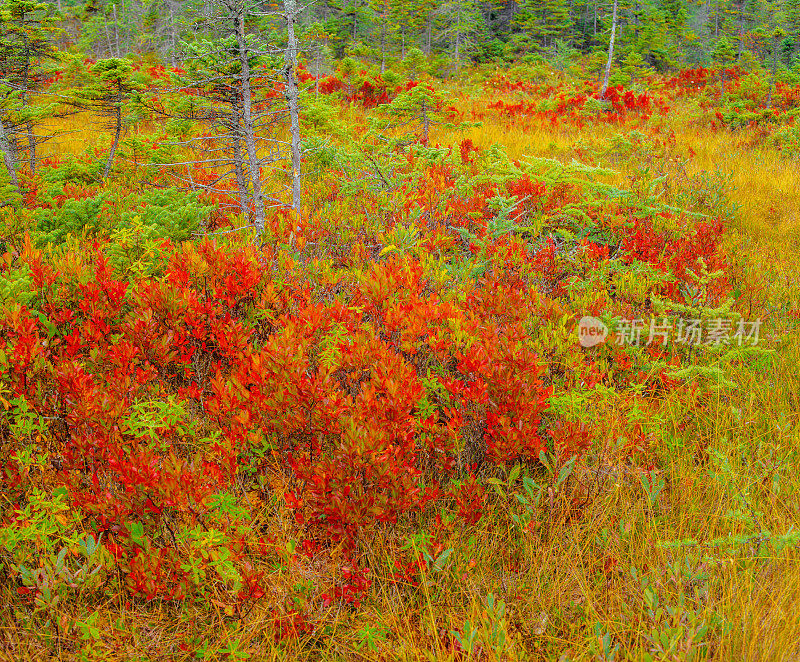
(464, 22)
(656, 38)
(723, 55)
(420, 107)
(563, 57)
(114, 87)
(232, 75)
(382, 15)
(544, 21)
(424, 15)
(26, 30)
(777, 36)
(403, 16)
(344, 21)
(791, 12)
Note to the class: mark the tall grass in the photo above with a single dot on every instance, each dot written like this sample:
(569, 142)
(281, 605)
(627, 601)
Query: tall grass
(664, 576)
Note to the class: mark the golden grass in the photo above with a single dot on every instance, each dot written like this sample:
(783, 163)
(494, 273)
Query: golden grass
(568, 577)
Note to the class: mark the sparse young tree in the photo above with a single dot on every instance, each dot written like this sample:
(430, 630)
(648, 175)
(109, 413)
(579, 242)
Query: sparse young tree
(420, 107)
(563, 58)
(114, 88)
(316, 39)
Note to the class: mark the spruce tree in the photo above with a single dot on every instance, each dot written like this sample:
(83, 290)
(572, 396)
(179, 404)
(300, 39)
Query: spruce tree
(114, 87)
(791, 11)
(230, 87)
(544, 21)
(463, 23)
(26, 29)
(723, 55)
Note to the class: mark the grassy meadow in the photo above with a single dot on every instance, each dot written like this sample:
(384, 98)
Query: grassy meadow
(545, 501)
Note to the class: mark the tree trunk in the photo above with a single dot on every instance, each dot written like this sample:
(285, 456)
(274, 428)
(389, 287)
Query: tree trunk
(292, 98)
(117, 132)
(425, 122)
(238, 160)
(383, 40)
(610, 52)
(24, 97)
(774, 72)
(741, 30)
(458, 38)
(429, 35)
(8, 155)
(247, 121)
(108, 39)
(116, 31)
(173, 34)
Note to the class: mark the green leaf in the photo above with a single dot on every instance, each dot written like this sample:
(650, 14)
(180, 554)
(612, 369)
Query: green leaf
(530, 485)
(566, 470)
(88, 545)
(47, 324)
(137, 532)
(438, 565)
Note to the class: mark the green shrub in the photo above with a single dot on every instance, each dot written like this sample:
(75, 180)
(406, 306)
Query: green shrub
(166, 213)
(74, 217)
